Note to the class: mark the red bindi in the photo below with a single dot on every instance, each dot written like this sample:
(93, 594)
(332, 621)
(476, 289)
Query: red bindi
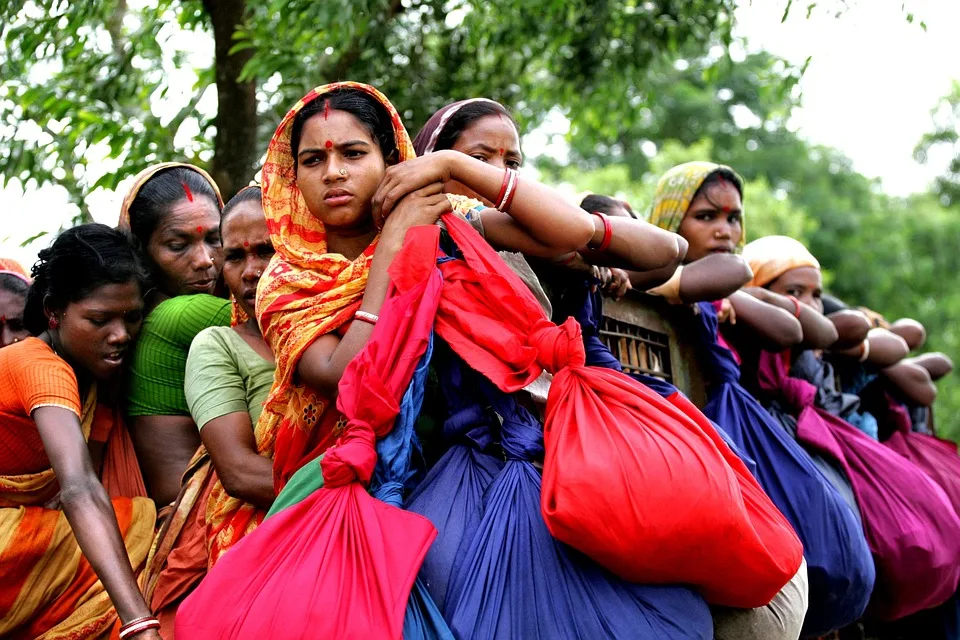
(186, 190)
(501, 151)
(246, 244)
(328, 144)
(199, 229)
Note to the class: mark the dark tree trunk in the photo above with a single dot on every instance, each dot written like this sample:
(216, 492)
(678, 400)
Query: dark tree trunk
(235, 146)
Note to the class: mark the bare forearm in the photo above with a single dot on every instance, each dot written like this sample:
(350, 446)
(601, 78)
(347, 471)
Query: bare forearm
(249, 479)
(852, 328)
(818, 331)
(776, 328)
(94, 523)
(937, 364)
(713, 278)
(541, 211)
(913, 381)
(640, 246)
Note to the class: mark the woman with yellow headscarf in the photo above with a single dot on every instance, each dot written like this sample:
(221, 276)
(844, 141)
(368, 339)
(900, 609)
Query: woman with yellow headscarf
(703, 202)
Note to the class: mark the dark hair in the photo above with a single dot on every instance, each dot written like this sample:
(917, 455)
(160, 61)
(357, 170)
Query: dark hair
(832, 304)
(372, 115)
(719, 176)
(78, 262)
(14, 284)
(248, 194)
(160, 193)
(605, 204)
(466, 116)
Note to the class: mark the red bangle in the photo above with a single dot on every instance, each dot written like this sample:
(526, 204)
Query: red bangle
(607, 233)
(796, 306)
(506, 198)
(503, 187)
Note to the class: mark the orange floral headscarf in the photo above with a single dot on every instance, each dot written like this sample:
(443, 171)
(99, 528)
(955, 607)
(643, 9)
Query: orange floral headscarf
(305, 293)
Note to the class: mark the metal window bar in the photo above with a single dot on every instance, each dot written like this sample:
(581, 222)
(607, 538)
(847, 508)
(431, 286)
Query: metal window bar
(638, 349)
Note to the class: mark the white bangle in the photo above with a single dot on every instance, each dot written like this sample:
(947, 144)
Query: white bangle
(366, 317)
(864, 350)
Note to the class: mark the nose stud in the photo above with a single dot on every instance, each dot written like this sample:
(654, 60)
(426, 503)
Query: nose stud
(343, 172)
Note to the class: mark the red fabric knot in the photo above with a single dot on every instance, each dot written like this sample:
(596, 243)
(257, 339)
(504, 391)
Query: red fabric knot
(558, 346)
(352, 458)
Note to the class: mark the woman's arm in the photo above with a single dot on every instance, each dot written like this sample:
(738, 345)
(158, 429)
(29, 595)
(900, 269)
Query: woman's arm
(776, 328)
(243, 472)
(911, 331)
(852, 328)
(322, 363)
(89, 511)
(937, 364)
(634, 245)
(164, 445)
(913, 381)
(541, 222)
(886, 349)
(818, 331)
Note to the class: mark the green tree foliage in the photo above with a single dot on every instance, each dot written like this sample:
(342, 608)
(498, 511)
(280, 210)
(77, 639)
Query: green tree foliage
(945, 135)
(84, 81)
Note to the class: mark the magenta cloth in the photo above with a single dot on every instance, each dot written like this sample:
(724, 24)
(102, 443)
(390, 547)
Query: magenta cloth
(339, 564)
(910, 525)
(938, 458)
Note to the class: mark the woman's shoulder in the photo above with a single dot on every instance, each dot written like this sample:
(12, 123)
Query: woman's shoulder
(185, 316)
(29, 353)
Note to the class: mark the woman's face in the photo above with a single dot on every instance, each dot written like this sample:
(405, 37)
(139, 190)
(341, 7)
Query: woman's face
(803, 283)
(492, 139)
(339, 167)
(96, 332)
(185, 247)
(246, 252)
(11, 318)
(712, 223)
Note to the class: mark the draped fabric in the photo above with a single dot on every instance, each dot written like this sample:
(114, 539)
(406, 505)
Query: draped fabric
(615, 449)
(494, 569)
(48, 588)
(911, 527)
(839, 565)
(305, 293)
(366, 552)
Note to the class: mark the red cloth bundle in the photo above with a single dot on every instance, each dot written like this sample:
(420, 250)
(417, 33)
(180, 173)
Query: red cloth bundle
(339, 564)
(629, 479)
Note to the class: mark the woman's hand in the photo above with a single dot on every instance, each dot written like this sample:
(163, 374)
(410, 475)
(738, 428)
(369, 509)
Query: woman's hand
(406, 177)
(423, 206)
(618, 284)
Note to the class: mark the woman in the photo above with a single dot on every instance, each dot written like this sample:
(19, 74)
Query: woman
(14, 284)
(485, 130)
(339, 164)
(910, 524)
(74, 531)
(703, 202)
(228, 486)
(173, 210)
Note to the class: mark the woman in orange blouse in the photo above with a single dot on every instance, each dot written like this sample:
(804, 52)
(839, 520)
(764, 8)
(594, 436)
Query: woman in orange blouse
(68, 477)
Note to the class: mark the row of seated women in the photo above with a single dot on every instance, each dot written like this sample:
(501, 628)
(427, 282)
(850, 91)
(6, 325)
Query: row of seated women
(199, 401)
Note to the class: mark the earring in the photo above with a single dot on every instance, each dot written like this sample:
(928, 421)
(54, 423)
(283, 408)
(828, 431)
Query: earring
(53, 323)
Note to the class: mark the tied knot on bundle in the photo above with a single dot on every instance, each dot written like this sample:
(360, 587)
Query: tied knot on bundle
(352, 458)
(558, 346)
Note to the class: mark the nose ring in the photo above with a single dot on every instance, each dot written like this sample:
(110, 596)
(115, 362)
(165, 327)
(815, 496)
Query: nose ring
(259, 273)
(343, 172)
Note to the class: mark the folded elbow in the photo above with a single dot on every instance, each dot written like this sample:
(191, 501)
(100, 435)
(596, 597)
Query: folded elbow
(234, 484)
(78, 492)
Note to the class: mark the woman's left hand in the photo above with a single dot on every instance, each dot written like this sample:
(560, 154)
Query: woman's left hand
(618, 285)
(407, 177)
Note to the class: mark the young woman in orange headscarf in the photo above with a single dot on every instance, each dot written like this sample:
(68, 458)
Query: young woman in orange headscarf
(341, 186)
